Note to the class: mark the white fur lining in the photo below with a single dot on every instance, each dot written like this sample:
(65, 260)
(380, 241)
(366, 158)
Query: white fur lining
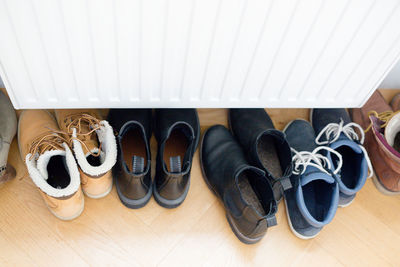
(37, 168)
(44, 159)
(108, 156)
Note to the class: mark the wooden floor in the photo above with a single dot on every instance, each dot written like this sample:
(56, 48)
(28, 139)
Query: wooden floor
(367, 233)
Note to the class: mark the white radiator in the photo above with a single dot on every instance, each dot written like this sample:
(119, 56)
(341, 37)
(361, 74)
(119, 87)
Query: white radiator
(196, 53)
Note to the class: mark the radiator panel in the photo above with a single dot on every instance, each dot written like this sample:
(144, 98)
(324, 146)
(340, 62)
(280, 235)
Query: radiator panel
(191, 53)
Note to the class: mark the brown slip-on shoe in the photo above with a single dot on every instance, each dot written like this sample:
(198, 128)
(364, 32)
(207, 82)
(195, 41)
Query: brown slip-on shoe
(94, 146)
(385, 160)
(50, 163)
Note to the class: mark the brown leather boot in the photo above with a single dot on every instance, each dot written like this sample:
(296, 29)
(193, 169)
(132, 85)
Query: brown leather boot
(385, 159)
(94, 146)
(50, 163)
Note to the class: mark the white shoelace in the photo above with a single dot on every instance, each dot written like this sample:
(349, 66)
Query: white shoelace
(315, 159)
(332, 133)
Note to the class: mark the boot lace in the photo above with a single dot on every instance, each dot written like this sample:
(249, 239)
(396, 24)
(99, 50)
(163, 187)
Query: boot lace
(51, 140)
(332, 133)
(385, 116)
(303, 159)
(80, 122)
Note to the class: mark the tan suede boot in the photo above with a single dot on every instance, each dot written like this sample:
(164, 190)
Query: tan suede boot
(50, 163)
(94, 146)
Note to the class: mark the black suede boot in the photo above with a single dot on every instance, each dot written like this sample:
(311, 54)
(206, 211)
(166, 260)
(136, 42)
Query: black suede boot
(264, 146)
(244, 190)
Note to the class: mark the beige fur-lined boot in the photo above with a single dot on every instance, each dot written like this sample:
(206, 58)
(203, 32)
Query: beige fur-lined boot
(94, 146)
(50, 163)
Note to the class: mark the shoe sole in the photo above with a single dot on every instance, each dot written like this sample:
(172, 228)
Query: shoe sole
(235, 230)
(71, 217)
(347, 204)
(239, 235)
(170, 203)
(293, 230)
(133, 203)
(381, 188)
(100, 195)
(174, 203)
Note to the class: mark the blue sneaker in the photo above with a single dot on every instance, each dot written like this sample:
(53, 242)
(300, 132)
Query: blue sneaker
(335, 129)
(313, 200)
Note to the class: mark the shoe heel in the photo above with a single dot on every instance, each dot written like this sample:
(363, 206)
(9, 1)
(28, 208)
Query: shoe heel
(96, 186)
(239, 235)
(133, 203)
(65, 209)
(381, 188)
(170, 203)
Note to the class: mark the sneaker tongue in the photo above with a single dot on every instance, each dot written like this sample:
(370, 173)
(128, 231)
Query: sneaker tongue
(326, 211)
(175, 164)
(137, 164)
(312, 174)
(344, 140)
(353, 151)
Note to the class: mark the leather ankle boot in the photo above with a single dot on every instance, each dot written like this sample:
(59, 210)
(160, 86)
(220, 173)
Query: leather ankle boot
(132, 172)
(244, 190)
(94, 146)
(50, 163)
(177, 132)
(264, 146)
(385, 159)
